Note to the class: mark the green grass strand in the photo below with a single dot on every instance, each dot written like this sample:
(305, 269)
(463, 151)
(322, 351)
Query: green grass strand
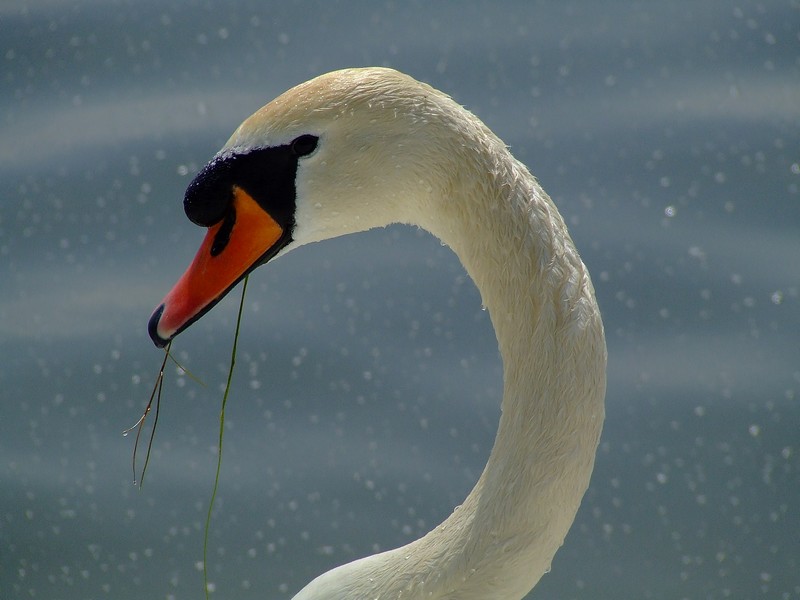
(221, 430)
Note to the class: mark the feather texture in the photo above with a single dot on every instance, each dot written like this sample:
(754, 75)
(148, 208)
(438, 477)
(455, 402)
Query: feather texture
(392, 149)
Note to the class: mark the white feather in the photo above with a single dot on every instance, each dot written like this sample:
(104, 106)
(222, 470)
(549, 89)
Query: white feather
(392, 150)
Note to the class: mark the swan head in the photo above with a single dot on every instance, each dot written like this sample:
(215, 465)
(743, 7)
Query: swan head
(345, 152)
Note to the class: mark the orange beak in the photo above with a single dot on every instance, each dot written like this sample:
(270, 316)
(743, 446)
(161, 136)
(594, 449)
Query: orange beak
(231, 249)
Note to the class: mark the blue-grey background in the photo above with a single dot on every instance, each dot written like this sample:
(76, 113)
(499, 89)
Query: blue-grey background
(367, 389)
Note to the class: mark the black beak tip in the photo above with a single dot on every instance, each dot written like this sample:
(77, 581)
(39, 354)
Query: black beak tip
(152, 328)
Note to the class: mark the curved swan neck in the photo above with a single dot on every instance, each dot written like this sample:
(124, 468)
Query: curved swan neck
(514, 244)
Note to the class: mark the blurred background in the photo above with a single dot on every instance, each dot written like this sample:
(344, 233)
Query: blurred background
(366, 394)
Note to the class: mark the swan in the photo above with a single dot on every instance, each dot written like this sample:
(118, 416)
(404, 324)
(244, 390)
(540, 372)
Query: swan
(361, 148)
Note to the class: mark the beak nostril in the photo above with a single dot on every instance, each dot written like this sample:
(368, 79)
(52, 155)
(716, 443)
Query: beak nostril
(224, 233)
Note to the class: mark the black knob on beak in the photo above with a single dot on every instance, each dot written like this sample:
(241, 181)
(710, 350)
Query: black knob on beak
(209, 197)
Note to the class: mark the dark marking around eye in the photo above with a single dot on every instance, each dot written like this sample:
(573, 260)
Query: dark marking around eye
(266, 174)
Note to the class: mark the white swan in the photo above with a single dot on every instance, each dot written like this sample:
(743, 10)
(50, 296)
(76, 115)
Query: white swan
(361, 148)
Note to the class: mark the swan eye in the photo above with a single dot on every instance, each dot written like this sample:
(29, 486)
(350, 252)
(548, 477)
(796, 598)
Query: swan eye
(304, 145)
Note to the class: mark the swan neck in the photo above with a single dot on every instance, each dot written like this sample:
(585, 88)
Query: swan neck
(542, 305)
(513, 243)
